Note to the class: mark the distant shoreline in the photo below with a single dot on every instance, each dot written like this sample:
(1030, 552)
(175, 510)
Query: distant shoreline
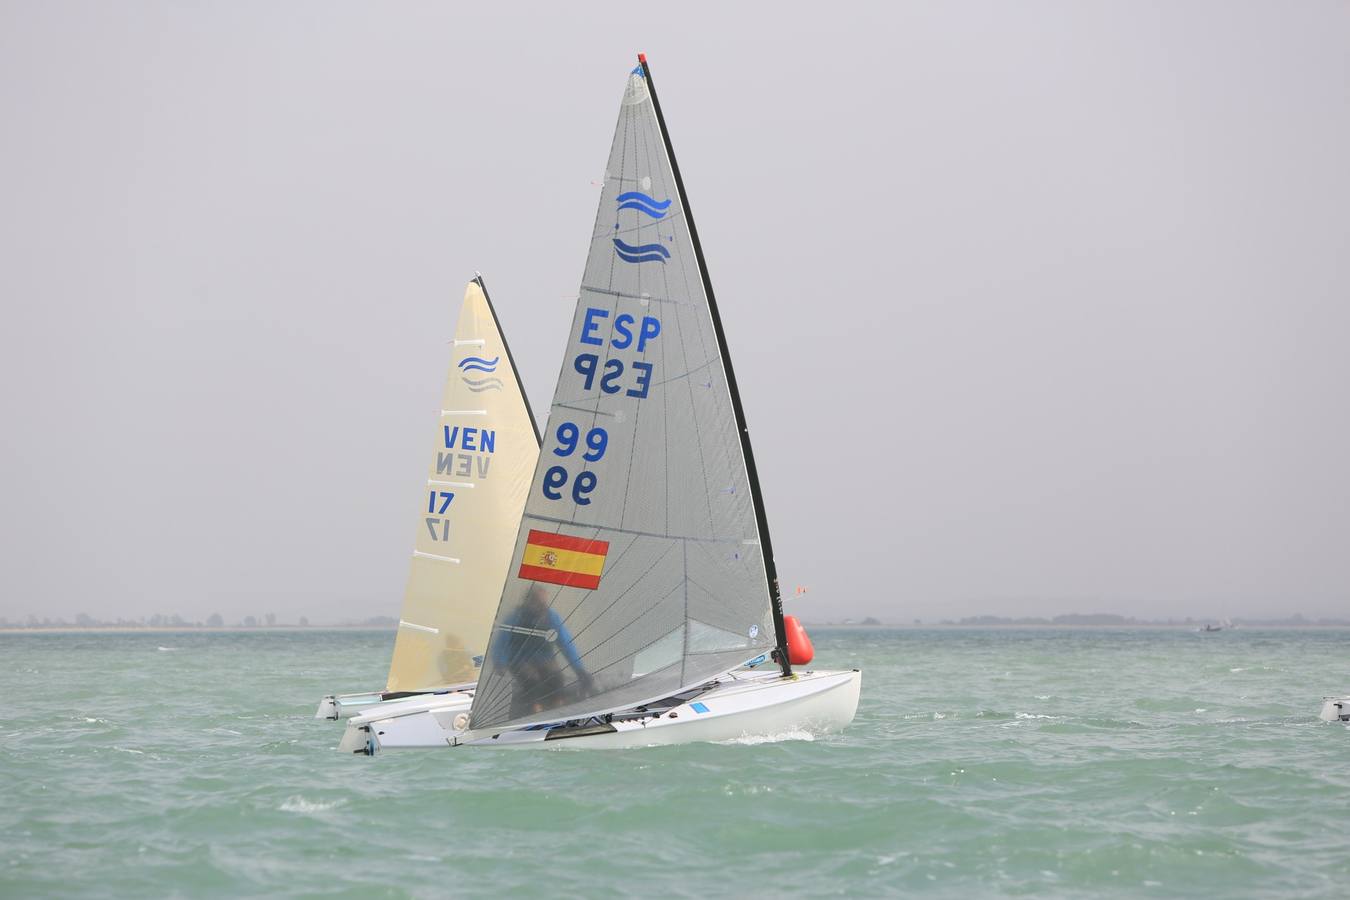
(1104, 626)
(183, 629)
(835, 626)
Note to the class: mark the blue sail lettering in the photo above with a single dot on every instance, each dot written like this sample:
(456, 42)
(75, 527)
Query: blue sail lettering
(590, 324)
(621, 324)
(651, 327)
(643, 381)
(478, 439)
(613, 369)
(585, 364)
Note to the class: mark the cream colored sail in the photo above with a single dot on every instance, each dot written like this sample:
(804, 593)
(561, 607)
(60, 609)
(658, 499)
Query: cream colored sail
(480, 472)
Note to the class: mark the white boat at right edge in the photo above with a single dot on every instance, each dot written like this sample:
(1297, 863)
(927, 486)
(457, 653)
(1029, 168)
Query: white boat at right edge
(1335, 709)
(641, 605)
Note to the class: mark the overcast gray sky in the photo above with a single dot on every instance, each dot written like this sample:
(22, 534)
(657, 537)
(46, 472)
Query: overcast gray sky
(1037, 307)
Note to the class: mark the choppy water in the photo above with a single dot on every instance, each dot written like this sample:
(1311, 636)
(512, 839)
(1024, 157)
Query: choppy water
(1047, 763)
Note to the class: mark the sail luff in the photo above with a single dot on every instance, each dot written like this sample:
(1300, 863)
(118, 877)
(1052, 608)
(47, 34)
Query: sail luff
(757, 495)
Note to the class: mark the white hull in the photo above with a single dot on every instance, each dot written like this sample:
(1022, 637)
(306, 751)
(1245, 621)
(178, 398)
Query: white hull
(345, 706)
(744, 704)
(1335, 709)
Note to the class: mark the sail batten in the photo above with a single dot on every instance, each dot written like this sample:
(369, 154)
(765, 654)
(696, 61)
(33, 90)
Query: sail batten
(639, 569)
(475, 491)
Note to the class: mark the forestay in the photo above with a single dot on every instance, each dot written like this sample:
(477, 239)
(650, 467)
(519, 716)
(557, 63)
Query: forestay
(485, 451)
(638, 567)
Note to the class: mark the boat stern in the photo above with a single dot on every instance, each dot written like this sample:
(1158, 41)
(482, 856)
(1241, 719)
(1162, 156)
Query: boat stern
(358, 739)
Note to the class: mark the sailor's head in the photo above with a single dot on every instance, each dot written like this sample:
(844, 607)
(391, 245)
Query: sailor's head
(536, 598)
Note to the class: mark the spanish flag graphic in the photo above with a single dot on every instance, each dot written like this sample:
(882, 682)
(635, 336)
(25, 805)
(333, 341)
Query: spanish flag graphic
(563, 559)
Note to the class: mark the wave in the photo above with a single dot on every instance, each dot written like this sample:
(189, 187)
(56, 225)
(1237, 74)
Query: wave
(644, 204)
(751, 740)
(478, 364)
(641, 254)
(301, 805)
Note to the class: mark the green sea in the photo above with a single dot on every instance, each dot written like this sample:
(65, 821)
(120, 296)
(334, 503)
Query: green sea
(1047, 763)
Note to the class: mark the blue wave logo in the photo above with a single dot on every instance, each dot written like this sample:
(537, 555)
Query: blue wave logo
(642, 254)
(478, 364)
(642, 203)
(483, 384)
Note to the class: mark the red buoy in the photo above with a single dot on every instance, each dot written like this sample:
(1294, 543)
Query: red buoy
(800, 651)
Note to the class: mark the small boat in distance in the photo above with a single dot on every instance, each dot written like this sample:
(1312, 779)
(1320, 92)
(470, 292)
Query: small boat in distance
(641, 605)
(1335, 709)
(486, 448)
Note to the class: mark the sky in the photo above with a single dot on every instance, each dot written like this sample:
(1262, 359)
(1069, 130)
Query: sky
(1036, 308)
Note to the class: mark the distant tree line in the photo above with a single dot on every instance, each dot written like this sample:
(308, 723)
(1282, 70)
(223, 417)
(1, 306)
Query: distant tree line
(1111, 619)
(83, 620)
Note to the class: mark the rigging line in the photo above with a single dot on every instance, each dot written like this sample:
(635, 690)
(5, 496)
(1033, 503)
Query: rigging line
(616, 662)
(674, 537)
(642, 614)
(684, 655)
(639, 297)
(675, 378)
(496, 685)
(625, 685)
(744, 560)
(584, 657)
(491, 684)
(582, 409)
(598, 616)
(516, 656)
(605, 235)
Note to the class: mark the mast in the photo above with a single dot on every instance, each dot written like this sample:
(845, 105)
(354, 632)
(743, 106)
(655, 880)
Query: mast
(743, 430)
(506, 345)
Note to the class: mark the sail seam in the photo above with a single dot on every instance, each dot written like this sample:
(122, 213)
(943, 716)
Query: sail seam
(676, 537)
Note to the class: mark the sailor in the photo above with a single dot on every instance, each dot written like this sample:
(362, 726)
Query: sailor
(533, 637)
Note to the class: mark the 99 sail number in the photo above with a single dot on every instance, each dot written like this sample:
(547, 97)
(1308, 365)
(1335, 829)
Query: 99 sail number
(569, 441)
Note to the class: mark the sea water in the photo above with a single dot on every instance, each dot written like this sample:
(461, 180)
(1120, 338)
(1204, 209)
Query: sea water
(982, 763)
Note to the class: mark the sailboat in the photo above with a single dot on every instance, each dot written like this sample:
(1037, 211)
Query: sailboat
(485, 451)
(641, 604)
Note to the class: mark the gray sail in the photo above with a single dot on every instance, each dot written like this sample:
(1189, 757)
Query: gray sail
(638, 570)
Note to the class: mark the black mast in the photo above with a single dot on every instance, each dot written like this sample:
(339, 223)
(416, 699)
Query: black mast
(478, 279)
(775, 597)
